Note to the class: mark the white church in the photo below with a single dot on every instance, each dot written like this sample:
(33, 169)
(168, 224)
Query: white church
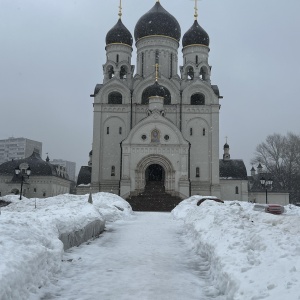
(156, 130)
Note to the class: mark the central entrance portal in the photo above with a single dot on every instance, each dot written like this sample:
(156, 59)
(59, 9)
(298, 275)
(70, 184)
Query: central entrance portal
(155, 178)
(155, 173)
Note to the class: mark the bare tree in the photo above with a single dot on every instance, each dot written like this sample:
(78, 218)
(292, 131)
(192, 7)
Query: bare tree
(281, 157)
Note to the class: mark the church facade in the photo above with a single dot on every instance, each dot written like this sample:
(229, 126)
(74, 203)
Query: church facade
(150, 123)
(154, 126)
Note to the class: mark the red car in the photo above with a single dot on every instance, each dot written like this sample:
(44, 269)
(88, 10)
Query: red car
(275, 209)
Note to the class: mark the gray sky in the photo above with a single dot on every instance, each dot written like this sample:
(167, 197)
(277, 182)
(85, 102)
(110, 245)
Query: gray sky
(52, 53)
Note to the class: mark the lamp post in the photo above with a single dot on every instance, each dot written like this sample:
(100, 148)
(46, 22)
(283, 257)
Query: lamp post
(265, 183)
(27, 173)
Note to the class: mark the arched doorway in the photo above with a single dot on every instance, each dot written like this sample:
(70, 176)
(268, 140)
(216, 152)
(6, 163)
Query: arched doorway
(155, 173)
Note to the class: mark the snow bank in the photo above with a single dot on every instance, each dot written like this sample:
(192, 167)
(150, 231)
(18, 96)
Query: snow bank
(251, 254)
(30, 249)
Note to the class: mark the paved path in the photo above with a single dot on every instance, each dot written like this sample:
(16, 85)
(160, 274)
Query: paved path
(145, 258)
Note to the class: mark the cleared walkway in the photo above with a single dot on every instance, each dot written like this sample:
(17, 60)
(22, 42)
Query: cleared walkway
(146, 257)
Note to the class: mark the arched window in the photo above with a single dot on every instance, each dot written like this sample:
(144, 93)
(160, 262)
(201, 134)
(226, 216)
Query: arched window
(115, 98)
(198, 99)
(117, 58)
(203, 73)
(197, 172)
(147, 93)
(197, 60)
(190, 73)
(204, 132)
(110, 72)
(113, 171)
(123, 72)
(236, 190)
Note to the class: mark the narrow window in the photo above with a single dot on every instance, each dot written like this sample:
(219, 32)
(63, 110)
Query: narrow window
(107, 130)
(34, 190)
(171, 65)
(204, 132)
(191, 131)
(120, 130)
(44, 194)
(197, 60)
(156, 57)
(236, 190)
(142, 65)
(197, 172)
(190, 73)
(113, 171)
(117, 58)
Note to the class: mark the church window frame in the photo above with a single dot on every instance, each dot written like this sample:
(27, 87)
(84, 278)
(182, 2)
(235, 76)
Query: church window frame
(198, 99)
(197, 172)
(236, 190)
(113, 171)
(123, 72)
(142, 64)
(110, 71)
(115, 98)
(190, 72)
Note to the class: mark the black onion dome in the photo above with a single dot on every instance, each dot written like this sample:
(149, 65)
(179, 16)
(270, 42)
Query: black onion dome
(226, 146)
(157, 21)
(156, 90)
(119, 34)
(196, 35)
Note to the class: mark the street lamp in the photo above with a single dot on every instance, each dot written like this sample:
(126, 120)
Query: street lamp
(27, 173)
(266, 183)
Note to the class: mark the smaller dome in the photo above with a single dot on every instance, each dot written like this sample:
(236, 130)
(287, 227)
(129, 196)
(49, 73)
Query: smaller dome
(226, 146)
(119, 34)
(91, 153)
(196, 35)
(156, 90)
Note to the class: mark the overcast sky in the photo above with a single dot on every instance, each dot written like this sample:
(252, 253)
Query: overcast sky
(52, 53)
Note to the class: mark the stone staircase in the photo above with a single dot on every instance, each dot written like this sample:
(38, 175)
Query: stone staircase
(154, 198)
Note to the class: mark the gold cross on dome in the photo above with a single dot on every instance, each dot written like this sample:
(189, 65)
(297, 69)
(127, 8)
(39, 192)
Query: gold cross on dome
(120, 9)
(196, 9)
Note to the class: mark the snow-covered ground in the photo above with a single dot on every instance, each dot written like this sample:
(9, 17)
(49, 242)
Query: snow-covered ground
(30, 249)
(235, 251)
(252, 254)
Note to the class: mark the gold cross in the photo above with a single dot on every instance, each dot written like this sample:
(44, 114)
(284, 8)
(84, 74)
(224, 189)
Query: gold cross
(196, 9)
(120, 9)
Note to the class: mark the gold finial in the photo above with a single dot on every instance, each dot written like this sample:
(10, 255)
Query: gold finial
(120, 9)
(196, 10)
